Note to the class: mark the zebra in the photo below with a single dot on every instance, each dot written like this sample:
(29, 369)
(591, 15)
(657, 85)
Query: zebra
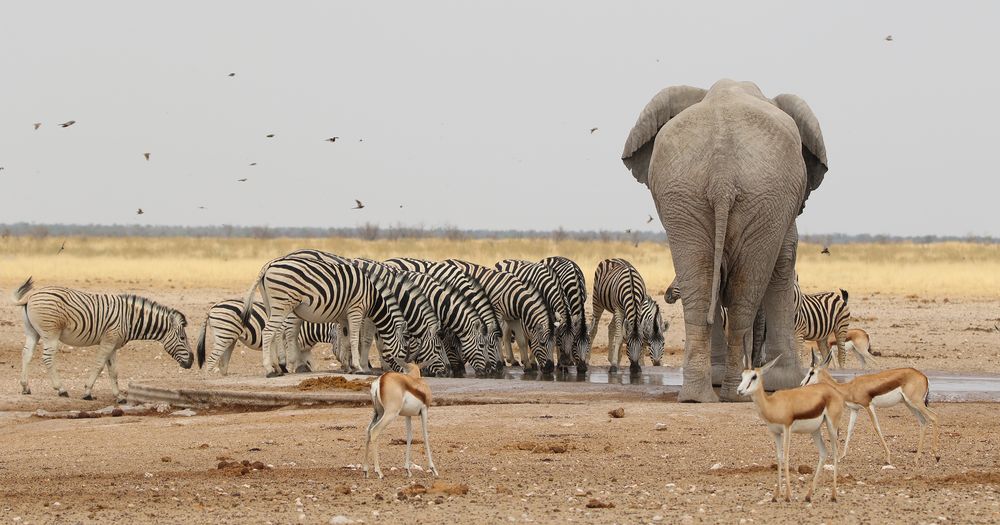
(574, 288)
(54, 314)
(653, 329)
(422, 325)
(619, 288)
(409, 264)
(672, 293)
(319, 292)
(224, 319)
(465, 331)
(821, 315)
(521, 309)
(474, 292)
(544, 280)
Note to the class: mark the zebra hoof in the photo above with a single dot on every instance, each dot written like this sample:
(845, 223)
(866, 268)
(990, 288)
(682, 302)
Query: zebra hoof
(121, 401)
(613, 369)
(273, 374)
(25, 391)
(63, 393)
(302, 369)
(87, 397)
(581, 369)
(634, 369)
(284, 369)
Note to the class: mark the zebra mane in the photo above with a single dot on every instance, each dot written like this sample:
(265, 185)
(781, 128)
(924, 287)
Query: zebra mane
(146, 304)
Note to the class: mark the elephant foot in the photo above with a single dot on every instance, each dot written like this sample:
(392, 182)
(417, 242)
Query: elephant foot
(63, 393)
(87, 397)
(302, 369)
(613, 369)
(273, 373)
(697, 394)
(728, 393)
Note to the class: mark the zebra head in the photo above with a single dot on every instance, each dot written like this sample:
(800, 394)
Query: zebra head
(633, 343)
(581, 349)
(564, 334)
(175, 340)
(538, 340)
(428, 349)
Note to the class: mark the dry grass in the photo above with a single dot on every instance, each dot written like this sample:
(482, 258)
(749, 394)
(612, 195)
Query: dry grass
(934, 270)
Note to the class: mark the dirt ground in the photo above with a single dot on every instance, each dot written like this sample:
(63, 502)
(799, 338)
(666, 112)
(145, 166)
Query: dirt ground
(655, 465)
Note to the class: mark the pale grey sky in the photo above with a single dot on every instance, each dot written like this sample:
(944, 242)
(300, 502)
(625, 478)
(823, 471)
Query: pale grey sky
(476, 114)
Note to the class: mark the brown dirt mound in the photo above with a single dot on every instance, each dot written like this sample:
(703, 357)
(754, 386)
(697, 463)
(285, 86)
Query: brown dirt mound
(439, 487)
(750, 469)
(542, 448)
(331, 382)
(617, 413)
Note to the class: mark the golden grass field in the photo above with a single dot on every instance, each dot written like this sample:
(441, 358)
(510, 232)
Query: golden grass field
(960, 269)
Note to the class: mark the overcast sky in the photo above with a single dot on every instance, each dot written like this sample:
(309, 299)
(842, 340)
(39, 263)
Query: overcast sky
(476, 115)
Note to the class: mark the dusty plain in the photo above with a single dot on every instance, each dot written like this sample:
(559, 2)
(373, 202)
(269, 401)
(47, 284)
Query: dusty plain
(663, 462)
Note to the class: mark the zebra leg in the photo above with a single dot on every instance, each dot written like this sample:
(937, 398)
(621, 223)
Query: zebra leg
(596, 318)
(104, 352)
(508, 352)
(294, 356)
(113, 375)
(354, 322)
(31, 339)
(50, 347)
(365, 344)
(223, 361)
(272, 328)
(823, 346)
(522, 346)
(616, 332)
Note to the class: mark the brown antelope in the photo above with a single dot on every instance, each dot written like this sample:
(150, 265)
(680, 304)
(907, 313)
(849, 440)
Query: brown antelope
(881, 389)
(395, 394)
(858, 342)
(800, 410)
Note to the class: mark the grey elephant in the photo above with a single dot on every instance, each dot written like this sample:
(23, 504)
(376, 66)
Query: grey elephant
(729, 170)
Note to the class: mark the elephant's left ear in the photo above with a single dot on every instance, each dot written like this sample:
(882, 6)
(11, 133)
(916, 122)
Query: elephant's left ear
(664, 106)
(813, 148)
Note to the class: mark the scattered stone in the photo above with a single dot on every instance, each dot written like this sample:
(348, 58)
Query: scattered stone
(439, 500)
(117, 412)
(329, 382)
(412, 490)
(401, 441)
(598, 504)
(660, 426)
(617, 413)
(716, 466)
(451, 489)
(805, 469)
(162, 408)
(203, 446)
(187, 412)
(345, 490)
(888, 467)
(379, 497)
(340, 520)
(166, 459)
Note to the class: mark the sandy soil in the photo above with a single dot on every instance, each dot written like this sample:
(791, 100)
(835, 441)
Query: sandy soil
(164, 469)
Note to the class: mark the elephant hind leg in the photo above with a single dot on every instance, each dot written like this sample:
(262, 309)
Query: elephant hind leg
(697, 387)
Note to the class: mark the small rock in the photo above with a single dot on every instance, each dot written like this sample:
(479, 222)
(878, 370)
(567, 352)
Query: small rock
(117, 412)
(598, 504)
(379, 497)
(805, 469)
(148, 474)
(617, 413)
(187, 412)
(345, 490)
(162, 408)
(888, 467)
(340, 520)
(166, 459)
(825, 467)
(660, 426)
(716, 466)
(439, 500)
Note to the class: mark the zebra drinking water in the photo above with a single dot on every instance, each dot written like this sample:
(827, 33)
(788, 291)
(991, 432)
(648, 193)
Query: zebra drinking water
(544, 280)
(574, 288)
(619, 288)
(55, 314)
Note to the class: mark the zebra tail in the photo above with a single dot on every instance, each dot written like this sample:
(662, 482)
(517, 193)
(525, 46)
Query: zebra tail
(18, 294)
(201, 343)
(843, 293)
(248, 302)
(721, 223)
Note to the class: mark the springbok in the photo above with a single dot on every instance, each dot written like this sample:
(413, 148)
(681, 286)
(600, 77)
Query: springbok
(800, 410)
(881, 389)
(395, 394)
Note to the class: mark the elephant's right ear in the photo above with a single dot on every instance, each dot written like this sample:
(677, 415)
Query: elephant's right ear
(813, 148)
(664, 106)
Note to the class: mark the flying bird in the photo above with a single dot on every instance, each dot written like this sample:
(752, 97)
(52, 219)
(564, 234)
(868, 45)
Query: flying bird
(888, 38)
(331, 139)
(358, 206)
(67, 124)
(201, 207)
(649, 220)
(825, 251)
(253, 163)
(232, 75)
(146, 155)
(270, 135)
(628, 230)
(37, 125)
(61, 248)
(139, 211)
(592, 130)
(241, 180)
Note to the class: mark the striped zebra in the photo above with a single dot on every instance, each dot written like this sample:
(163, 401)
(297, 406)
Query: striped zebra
(822, 315)
(474, 292)
(673, 293)
(544, 280)
(465, 331)
(224, 320)
(619, 288)
(521, 309)
(319, 292)
(423, 329)
(54, 314)
(409, 264)
(653, 329)
(574, 288)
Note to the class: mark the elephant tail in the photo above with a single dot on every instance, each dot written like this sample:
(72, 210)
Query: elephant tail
(721, 223)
